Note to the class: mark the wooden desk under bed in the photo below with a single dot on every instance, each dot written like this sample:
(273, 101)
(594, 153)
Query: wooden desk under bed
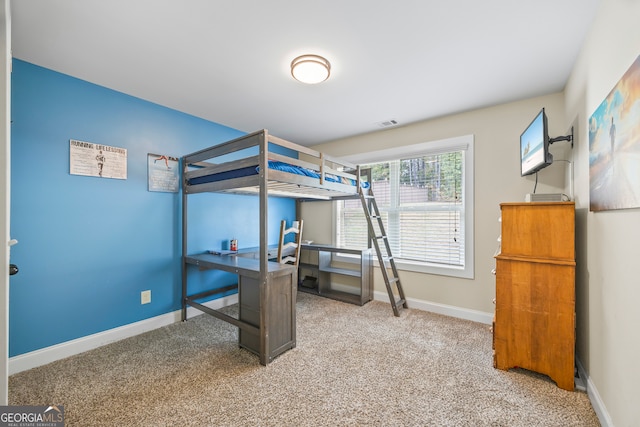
(267, 313)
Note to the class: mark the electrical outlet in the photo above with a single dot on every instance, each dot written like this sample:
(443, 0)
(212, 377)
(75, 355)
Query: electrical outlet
(145, 297)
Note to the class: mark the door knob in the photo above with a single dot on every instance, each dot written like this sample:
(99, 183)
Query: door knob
(13, 269)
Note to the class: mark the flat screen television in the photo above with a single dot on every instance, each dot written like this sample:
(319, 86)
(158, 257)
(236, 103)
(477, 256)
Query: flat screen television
(534, 146)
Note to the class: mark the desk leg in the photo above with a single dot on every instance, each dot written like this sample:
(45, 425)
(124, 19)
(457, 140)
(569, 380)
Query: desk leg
(273, 311)
(249, 311)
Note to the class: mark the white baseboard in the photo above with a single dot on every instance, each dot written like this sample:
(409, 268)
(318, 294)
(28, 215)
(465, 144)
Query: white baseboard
(50, 354)
(447, 310)
(46, 355)
(594, 397)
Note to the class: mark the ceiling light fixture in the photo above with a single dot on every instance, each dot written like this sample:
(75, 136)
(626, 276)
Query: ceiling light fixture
(310, 69)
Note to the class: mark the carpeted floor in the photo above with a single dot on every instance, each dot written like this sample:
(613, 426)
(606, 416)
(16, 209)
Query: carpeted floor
(353, 366)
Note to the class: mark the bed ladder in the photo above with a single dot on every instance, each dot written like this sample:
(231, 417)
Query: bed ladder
(385, 259)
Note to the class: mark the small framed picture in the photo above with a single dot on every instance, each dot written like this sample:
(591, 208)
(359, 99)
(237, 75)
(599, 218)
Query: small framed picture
(164, 173)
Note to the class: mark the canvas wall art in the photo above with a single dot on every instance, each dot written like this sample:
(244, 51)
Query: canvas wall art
(614, 146)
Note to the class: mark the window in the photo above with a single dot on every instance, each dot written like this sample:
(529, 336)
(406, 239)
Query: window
(425, 199)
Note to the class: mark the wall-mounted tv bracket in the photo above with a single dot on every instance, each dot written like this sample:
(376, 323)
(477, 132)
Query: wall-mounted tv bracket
(563, 138)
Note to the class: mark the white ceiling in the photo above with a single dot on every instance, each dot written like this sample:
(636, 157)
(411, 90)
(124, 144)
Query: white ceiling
(228, 60)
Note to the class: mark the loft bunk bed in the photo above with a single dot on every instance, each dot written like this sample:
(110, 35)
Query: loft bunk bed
(266, 290)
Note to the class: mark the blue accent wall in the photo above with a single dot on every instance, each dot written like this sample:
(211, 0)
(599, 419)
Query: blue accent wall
(88, 246)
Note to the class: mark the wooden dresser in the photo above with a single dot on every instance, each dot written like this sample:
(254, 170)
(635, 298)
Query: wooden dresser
(534, 325)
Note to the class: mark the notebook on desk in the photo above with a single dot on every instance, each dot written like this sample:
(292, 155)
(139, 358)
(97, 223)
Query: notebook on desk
(222, 252)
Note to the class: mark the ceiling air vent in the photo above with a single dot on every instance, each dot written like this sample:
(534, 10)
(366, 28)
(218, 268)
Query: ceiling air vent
(387, 123)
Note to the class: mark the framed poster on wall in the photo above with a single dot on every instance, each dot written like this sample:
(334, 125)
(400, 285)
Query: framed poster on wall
(614, 146)
(91, 159)
(163, 173)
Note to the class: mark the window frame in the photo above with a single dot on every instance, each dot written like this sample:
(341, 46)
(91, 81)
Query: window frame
(463, 143)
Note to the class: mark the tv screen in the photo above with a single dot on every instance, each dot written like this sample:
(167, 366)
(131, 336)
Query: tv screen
(534, 146)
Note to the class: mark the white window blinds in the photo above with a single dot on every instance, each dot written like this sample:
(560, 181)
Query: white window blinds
(421, 202)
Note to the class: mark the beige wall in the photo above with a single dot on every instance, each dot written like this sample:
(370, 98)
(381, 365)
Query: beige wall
(608, 284)
(497, 179)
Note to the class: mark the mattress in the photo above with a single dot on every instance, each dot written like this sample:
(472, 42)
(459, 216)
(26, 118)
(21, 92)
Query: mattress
(275, 165)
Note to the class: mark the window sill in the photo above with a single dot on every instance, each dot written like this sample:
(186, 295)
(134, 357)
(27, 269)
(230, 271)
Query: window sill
(416, 267)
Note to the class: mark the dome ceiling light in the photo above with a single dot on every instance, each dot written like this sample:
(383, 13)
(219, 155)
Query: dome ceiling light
(310, 69)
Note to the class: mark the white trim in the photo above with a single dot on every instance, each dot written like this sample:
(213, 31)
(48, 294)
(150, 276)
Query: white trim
(466, 144)
(5, 199)
(446, 310)
(594, 397)
(50, 354)
(47, 355)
